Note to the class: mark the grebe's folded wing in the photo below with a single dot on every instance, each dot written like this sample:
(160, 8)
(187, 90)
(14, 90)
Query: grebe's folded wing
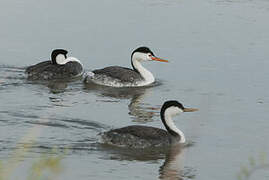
(143, 132)
(121, 73)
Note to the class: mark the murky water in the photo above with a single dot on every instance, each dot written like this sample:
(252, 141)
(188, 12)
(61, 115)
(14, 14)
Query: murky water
(218, 52)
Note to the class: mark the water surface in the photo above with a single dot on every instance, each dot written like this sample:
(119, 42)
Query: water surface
(218, 53)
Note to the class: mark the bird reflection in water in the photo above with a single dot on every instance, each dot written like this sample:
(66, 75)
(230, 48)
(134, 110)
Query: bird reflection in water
(173, 167)
(138, 110)
(57, 86)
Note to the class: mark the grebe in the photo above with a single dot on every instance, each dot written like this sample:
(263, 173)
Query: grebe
(59, 67)
(145, 136)
(117, 76)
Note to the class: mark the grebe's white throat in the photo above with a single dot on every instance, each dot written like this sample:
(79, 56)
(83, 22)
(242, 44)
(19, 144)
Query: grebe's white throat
(136, 62)
(168, 114)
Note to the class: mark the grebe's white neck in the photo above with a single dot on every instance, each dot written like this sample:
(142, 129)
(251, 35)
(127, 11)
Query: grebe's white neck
(136, 63)
(60, 59)
(168, 114)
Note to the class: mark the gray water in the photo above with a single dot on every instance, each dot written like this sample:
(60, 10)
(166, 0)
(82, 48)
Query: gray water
(218, 53)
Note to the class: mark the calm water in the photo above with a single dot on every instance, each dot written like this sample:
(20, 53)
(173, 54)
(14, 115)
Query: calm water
(218, 52)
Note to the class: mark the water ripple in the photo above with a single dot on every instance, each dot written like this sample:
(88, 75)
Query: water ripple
(52, 124)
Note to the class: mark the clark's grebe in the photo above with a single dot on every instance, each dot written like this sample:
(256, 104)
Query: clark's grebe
(117, 76)
(145, 136)
(59, 67)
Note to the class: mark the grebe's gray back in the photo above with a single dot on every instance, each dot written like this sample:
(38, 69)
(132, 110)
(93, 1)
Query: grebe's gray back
(144, 136)
(59, 67)
(124, 77)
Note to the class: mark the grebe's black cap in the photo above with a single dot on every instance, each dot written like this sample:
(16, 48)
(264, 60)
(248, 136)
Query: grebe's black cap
(143, 49)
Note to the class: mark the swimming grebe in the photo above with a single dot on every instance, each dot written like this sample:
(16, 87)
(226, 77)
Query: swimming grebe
(117, 76)
(144, 136)
(59, 67)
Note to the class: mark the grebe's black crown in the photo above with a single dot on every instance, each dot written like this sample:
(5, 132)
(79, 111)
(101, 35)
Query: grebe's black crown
(56, 52)
(168, 104)
(143, 49)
